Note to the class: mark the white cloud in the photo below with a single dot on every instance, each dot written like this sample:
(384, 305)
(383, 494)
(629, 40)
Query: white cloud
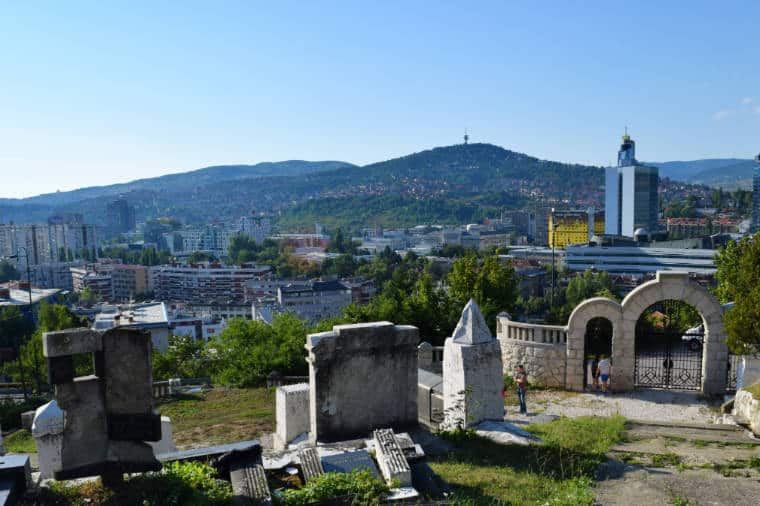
(748, 101)
(723, 114)
(756, 110)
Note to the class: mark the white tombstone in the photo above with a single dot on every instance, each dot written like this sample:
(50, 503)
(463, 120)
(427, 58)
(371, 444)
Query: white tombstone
(472, 372)
(47, 431)
(166, 444)
(292, 413)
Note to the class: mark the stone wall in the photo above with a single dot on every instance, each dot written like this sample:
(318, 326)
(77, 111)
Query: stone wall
(544, 363)
(362, 377)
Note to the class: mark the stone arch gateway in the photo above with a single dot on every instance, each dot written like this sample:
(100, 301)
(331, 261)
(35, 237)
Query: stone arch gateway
(554, 355)
(623, 316)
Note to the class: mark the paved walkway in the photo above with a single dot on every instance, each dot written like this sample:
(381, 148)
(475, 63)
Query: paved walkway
(648, 405)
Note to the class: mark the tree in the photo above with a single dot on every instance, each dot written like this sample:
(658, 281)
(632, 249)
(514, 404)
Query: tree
(247, 351)
(740, 269)
(31, 362)
(491, 283)
(185, 357)
(728, 272)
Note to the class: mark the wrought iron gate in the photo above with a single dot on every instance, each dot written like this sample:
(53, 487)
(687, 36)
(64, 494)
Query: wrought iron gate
(732, 371)
(668, 360)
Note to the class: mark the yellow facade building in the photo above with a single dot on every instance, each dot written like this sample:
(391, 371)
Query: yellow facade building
(574, 227)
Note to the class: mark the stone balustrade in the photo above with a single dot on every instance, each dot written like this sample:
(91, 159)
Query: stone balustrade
(542, 349)
(533, 332)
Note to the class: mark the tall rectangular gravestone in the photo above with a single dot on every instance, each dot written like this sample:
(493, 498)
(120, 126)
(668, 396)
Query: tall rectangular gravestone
(362, 377)
(472, 372)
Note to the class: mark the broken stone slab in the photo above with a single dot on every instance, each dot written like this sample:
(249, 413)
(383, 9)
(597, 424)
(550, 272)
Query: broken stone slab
(391, 458)
(505, 433)
(15, 477)
(249, 482)
(311, 466)
(221, 457)
(71, 342)
(349, 461)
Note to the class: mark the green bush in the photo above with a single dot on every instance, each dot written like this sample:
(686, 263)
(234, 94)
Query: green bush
(360, 485)
(10, 411)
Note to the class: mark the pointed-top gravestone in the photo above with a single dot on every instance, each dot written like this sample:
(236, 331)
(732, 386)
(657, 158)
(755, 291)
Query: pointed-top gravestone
(472, 328)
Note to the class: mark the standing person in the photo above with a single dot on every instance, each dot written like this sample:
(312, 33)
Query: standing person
(604, 368)
(595, 373)
(521, 378)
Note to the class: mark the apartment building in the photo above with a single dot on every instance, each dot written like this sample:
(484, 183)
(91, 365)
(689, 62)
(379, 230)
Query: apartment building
(129, 281)
(205, 285)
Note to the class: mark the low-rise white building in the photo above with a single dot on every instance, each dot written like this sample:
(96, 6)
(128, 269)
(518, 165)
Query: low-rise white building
(151, 317)
(311, 301)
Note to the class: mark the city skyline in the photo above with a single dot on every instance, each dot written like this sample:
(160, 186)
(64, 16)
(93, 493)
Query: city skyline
(103, 94)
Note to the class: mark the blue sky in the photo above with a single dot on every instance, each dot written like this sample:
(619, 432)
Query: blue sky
(105, 92)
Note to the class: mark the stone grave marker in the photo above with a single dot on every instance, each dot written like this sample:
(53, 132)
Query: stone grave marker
(362, 377)
(472, 372)
(108, 416)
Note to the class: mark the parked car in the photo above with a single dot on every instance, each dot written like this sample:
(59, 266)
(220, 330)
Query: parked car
(694, 337)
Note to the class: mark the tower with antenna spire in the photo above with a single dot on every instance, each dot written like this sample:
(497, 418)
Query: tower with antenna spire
(466, 137)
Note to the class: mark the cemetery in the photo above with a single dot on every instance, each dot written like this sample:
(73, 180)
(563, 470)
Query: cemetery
(381, 418)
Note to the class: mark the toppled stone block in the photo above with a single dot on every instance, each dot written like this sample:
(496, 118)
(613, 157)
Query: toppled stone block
(311, 466)
(391, 458)
(71, 342)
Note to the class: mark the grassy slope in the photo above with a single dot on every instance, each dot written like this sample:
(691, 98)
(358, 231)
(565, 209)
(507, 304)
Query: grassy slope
(559, 472)
(20, 441)
(754, 390)
(220, 415)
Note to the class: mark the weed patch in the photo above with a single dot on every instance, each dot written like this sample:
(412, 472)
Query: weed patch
(558, 472)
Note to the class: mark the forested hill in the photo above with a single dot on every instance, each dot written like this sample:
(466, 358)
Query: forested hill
(452, 184)
(446, 184)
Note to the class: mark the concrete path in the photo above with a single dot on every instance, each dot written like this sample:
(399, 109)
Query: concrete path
(653, 405)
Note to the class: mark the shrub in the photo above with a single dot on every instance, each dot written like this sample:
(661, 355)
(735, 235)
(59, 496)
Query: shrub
(360, 485)
(10, 411)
